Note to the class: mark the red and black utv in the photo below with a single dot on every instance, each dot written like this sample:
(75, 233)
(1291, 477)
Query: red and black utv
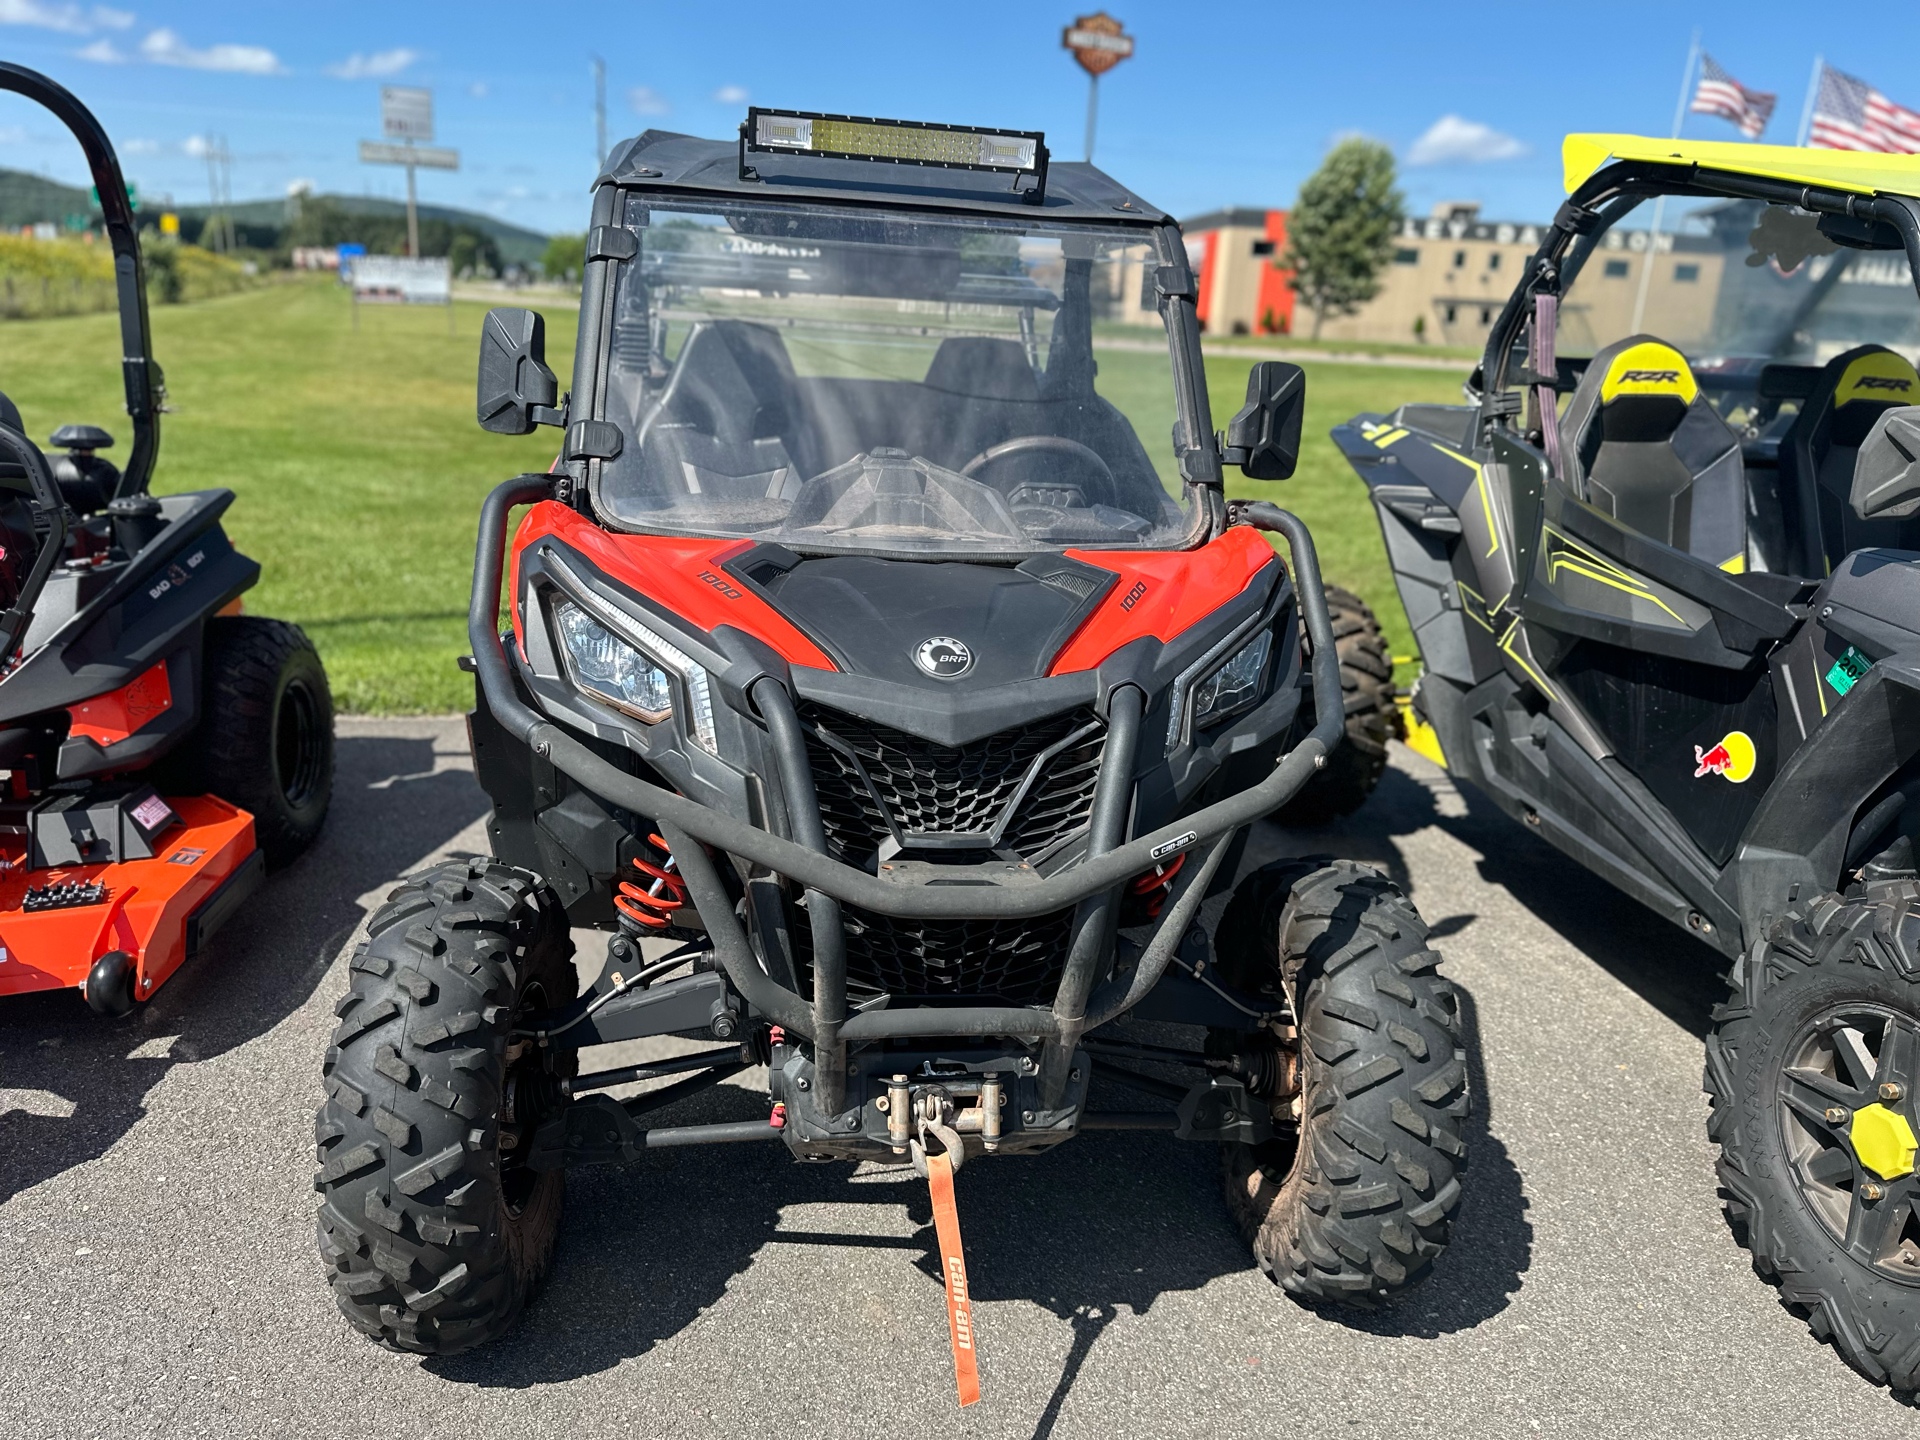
(158, 750)
(893, 708)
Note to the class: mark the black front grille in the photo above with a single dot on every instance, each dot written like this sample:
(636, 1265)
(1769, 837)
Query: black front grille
(1016, 961)
(866, 774)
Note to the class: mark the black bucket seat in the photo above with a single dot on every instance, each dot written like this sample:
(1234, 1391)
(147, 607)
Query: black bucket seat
(1817, 456)
(1639, 441)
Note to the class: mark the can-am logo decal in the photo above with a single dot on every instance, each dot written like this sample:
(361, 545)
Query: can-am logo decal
(1732, 758)
(1883, 382)
(943, 657)
(1167, 847)
(1649, 377)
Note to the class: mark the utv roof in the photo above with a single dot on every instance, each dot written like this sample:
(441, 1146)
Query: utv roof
(1583, 155)
(662, 160)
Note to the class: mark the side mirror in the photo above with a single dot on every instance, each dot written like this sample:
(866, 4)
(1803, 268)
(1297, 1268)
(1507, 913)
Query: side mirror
(1264, 438)
(1886, 473)
(517, 390)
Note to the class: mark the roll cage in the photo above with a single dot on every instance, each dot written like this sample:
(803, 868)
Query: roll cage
(1509, 363)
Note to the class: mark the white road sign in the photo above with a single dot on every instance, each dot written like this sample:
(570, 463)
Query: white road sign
(397, 280)
(372, 152)
(406, 113)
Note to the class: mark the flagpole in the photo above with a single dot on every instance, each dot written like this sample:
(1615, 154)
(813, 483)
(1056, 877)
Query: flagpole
(1660, 201)
(1813, 90)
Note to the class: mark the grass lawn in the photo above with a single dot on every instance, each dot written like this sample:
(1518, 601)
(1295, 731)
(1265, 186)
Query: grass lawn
(360, 470)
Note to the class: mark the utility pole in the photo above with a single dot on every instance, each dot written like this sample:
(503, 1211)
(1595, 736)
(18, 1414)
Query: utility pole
(600, 107)
(1660, 201)
(218, 232)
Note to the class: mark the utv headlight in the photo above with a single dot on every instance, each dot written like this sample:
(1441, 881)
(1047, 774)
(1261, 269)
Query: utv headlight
(619, 673)
(1235, 686)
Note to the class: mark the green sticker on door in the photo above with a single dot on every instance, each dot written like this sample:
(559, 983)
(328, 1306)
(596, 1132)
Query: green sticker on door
(1848, 671)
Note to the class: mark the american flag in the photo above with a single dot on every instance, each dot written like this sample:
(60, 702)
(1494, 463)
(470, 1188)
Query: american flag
(1720, 94)
(1849, 114)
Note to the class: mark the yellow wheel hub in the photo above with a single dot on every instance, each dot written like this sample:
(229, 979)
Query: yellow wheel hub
(1884, 1141)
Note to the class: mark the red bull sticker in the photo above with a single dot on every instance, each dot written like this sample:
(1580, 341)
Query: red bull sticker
(1732, 758)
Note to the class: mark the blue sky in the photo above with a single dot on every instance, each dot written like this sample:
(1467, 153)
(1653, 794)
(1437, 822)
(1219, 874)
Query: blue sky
(1222, 104)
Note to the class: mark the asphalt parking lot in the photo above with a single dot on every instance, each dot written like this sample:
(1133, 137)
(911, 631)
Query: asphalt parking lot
(158, 1277)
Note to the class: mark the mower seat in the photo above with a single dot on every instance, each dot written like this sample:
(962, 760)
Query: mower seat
(1639, 441)
(1817, 457)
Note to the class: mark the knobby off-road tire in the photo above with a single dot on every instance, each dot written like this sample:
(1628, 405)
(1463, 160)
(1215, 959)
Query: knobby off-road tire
(1780, 1055)
(432, 1239)
(1366, 686)
(1359, 1208)
(265, 737)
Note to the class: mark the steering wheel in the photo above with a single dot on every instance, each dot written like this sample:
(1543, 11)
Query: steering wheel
(1059, 445)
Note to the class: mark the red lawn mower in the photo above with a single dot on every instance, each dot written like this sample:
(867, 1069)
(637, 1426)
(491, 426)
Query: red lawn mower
(159, 750)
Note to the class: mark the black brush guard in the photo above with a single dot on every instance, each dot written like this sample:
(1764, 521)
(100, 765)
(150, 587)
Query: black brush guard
(1093, 887)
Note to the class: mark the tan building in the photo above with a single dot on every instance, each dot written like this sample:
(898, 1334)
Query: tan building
(1451, 272)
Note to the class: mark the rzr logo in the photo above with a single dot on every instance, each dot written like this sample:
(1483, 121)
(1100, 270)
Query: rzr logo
(943, 657)
(1883, 382)
(1650, 377)
(1132, 597)
(722, 586)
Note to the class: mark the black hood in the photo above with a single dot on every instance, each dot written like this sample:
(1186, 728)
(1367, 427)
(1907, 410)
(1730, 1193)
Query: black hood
(874, 616)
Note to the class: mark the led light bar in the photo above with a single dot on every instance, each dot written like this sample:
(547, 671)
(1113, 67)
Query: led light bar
(897, 142)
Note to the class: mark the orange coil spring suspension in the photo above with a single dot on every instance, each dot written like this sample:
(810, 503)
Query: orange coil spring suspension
(654, 905)
(1153, 885)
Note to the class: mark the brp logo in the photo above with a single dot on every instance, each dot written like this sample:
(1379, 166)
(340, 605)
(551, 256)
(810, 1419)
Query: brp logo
(943, 657)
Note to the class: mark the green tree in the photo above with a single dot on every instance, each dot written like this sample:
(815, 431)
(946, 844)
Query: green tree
(1341, 230)
(566, 257)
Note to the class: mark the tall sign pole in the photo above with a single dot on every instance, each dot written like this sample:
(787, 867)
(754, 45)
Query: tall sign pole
(406, 115)
(600, 107)
(1098, 42)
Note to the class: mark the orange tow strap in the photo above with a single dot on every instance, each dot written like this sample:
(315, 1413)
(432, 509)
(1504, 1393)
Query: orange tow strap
(953, 1265)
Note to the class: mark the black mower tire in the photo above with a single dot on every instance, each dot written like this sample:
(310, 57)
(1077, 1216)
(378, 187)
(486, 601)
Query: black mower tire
(265, 737)
(1358, 1210)
(1354, 768)
(1858, 952)
(431, 1241)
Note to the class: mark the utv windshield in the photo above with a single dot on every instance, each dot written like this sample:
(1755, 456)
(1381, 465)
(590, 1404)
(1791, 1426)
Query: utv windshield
(1738, 285)
(837, 381)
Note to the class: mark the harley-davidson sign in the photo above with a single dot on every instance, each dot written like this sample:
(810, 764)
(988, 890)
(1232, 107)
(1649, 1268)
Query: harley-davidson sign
(1098, 42)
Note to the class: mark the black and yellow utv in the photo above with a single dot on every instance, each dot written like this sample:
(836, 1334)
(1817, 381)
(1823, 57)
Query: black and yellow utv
(1664, 571)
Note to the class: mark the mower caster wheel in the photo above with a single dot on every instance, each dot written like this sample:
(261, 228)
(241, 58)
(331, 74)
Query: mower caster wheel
(1351, 1202)
(1353, 768)
(109, 987)
(1812, 1071)
(432, 1231)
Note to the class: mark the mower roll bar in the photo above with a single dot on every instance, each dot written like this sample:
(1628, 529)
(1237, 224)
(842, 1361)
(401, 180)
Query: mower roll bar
(684, 822)
(13, 623)
(138, 371)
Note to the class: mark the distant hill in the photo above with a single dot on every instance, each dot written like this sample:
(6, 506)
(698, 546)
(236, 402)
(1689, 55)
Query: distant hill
(27, 199)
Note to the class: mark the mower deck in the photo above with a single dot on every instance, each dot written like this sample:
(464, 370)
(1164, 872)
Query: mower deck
(158, 911)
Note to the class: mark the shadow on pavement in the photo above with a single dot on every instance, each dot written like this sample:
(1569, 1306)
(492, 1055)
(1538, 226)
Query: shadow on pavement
(80, 1082)
(1671, 970)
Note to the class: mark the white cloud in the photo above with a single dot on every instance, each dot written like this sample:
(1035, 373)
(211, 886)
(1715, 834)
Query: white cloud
(377, 66)
(13, 135)
(647, 101)
(71, 19)
(301, 186)
(164, 47)
(478, 89)
(142, 147)
(1453, 140)
(195, 146)
(731, 95)
(101, 52)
